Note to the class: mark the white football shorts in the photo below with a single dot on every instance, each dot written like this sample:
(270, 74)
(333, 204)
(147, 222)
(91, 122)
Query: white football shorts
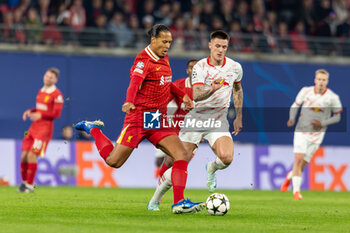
(302, 145)
(196, 137)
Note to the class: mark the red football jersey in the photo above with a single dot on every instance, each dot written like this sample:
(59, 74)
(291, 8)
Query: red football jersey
(185, 85)
(49, 103)
(154, 92)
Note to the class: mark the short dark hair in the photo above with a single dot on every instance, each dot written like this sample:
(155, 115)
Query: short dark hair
(219, 34)
(157, 29)
(192, 60)
(54, 70)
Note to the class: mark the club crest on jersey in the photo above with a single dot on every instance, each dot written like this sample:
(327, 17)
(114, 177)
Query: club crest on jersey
(166, 79)
(151, 120)
(46, 98)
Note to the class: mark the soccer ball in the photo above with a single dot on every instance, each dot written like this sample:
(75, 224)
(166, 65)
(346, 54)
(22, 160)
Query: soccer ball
(217, 204)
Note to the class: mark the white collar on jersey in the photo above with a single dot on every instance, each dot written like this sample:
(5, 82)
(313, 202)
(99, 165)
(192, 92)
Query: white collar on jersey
(48, 90)
(223, 64)
(151, 53)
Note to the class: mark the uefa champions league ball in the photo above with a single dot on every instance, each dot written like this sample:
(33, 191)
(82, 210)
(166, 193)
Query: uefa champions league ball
(217, 204)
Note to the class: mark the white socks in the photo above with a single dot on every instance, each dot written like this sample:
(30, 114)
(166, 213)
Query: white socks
(163, 186)
(296, 183)
(290, 175)
(215, 165)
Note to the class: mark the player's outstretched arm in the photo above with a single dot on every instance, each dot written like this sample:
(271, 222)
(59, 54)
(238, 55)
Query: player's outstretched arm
(238, 102)
(26, 114)
(199, 93)
(293, 111)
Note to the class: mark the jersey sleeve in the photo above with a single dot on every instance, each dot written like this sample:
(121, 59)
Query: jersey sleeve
(57, 108)
(140, 68)
(299, 100)
(197, 75)
(239, 72)
(336, 105)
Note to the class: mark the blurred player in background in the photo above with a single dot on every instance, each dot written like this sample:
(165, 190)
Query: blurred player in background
(318, 102)
(49, 103)
(177, 113)
(214, 79)
(148, 94)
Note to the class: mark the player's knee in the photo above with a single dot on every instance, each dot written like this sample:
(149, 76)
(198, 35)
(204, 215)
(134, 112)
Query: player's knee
(226, 158)
(182, 155)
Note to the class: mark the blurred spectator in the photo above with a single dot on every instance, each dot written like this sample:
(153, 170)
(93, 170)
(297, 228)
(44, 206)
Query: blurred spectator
(258, 11)
(43, 11)
(178, 32)
(120, 30)
(298, 37)
(108, 9)
(96, 10)
(207, 14)
(322, 10)
(235, 32)
(136, 37)
(77, 18)
(147, 22)
(285, 10)
(341, 11)
(251, 39)
(226, 11)
(98, 36)
(51, 34)
(284, 43)
(161, 15)
(202, 37)
(69, 37)
(191, 36)
(194, 15)
(34, 27)
(18, 26)
(307, 14)
(147, 9)
(67, 133)
(243, 14)
(217, 24)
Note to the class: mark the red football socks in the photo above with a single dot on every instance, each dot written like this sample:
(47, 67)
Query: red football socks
(103, 144)
(24, 167)
(31, 171)
(163, 169)
(179, 178)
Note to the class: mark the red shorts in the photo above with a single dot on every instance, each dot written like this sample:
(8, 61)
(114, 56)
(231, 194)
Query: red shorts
(36, 143)
(132, 134)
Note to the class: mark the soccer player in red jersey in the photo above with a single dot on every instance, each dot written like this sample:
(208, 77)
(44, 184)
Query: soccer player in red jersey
(177, 112)
(146, 103)
(49, 103)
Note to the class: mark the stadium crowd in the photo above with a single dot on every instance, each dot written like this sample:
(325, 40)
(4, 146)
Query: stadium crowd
(270, 26)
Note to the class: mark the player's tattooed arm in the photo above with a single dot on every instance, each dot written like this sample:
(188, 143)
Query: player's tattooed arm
(238, 102)
(199, 93)
(238, 99)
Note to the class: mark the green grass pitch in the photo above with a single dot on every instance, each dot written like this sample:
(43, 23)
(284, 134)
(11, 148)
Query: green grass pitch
(70, 209)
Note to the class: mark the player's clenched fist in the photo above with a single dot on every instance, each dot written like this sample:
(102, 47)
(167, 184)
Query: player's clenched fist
(127, 107)
(188, 102)
(290, 123)
(217, 84)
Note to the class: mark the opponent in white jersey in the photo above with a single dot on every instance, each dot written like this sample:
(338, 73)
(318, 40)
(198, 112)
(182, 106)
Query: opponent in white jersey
(213, 80)
(318, 102)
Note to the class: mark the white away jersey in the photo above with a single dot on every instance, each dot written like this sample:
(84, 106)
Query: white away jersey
(204, 73)
(316, 107)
